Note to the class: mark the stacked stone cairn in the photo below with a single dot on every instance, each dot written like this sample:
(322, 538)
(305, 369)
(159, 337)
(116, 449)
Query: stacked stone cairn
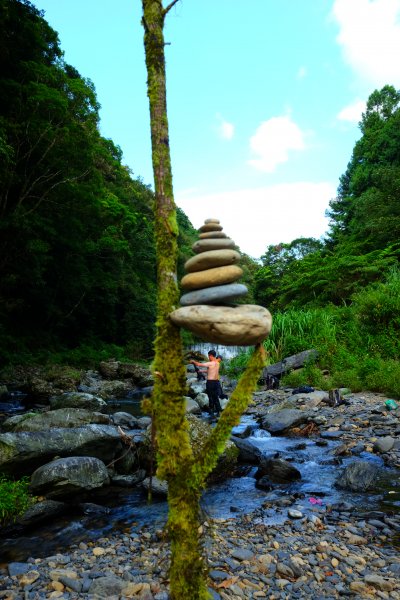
(211, 286)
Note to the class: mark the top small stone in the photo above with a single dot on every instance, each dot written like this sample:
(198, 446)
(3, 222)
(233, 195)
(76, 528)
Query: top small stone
(211, 221)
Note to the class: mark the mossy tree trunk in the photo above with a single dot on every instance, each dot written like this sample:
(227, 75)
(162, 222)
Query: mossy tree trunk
(185, 474)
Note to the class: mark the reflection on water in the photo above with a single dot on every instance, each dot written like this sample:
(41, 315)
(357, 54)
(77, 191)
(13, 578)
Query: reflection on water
(128, 509)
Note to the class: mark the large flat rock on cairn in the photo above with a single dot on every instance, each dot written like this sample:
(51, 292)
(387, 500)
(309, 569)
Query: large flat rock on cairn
(242, 325)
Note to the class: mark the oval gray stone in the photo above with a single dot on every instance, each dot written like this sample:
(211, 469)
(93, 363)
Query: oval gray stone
(210, 259)
(210, 227)
(212, 244)
(211, 277)
(242, 325)
(214, 295)
(211, 221)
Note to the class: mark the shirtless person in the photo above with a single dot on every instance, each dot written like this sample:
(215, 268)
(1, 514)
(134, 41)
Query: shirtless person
(212, 385)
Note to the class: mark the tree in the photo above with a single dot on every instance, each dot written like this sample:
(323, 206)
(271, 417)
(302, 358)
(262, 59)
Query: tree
(77, 253)
(185, 473)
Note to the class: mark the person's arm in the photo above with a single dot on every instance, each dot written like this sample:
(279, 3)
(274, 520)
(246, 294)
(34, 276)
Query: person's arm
(200, 364)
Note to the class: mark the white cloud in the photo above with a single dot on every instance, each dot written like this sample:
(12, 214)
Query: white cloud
(301, 73)
(226, 130)
(353, 112)
(256, 218)
(272, 142)
(369, 33)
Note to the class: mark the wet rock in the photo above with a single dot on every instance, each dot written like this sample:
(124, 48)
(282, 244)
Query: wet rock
(62, 417)
(191, 406)
(67, 476)
(384, 444)
(124, 419)
(358, 477)
(248, 452)
(24, 451)
(278, 470)
(77, 400)
(42, 511)
(243, 325)
(284, 419)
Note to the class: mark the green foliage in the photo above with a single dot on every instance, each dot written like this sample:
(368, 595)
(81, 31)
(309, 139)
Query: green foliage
(15, 499)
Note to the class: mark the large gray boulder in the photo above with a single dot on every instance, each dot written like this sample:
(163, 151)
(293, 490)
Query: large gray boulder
(22, 452)
(62, 417)
(77, 400)
(358, 476)
(284, 419)
(139, 375)
(191, 406)
(71, 475)
(278, 470)
(248, 452)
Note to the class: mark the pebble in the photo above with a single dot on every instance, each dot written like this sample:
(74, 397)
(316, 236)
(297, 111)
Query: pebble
(246, 558)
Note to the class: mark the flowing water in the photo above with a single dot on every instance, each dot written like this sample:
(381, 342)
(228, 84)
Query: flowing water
(128, 509)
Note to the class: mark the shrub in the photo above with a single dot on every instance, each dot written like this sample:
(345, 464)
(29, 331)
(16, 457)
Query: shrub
(14, 499)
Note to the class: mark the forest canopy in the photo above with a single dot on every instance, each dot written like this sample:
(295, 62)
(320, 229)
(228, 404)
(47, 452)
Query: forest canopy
(76, 230)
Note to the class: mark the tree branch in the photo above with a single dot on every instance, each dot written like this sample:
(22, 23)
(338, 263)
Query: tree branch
(168, 8)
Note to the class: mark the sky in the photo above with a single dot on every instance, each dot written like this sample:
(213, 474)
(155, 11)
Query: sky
(264, 100)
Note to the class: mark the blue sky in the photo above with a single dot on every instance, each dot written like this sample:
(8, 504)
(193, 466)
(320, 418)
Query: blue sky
(264, 99)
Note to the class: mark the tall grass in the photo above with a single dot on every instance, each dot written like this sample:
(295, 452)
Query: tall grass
(358, 345)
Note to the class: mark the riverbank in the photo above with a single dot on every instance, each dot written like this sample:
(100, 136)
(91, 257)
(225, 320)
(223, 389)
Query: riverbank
(324, 555)
(327, 551)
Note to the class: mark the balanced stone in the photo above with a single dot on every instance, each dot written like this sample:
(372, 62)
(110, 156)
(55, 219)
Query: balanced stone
(212, 234)
(210, 259)
(210, 227)
(212, 244)
(211, 221)
(211, 277)
(242, 325)
(220, 294)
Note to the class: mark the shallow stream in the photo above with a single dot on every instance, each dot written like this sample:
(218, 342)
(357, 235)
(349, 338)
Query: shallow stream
(127, 509)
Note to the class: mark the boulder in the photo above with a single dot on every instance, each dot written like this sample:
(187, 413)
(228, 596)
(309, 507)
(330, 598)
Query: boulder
(66, 476)
(277, 470)
(358, 477)
(248, 452)
(157, 486)
(62, 417)
(242, 325)
(202, 400)
(191, 406)
(109, 368)
(124, 419)
(42, 511)
(141, 376)
(312, 399)
(77, 400)
(384, 444)
(277, 422)
(24, 451)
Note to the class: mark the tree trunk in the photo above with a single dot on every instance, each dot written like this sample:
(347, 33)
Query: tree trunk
(185, 474)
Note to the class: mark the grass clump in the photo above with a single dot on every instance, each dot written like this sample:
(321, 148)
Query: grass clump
(15, 499)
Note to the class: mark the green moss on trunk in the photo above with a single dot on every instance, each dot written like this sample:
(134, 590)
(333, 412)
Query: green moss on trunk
(176, 464)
